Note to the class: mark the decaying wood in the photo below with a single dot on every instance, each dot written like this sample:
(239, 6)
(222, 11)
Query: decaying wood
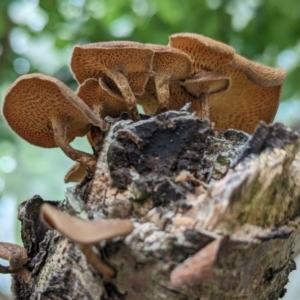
(215, 215)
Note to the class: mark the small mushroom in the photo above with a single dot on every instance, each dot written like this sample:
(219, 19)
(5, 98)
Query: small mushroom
(86, 233)
(75, 173)
(46, 113)
(17, 257)
(196, 89)
(198, 268)
(254, 91)
(125, 65)
(202, 85)
(169, 64)
(103, 103)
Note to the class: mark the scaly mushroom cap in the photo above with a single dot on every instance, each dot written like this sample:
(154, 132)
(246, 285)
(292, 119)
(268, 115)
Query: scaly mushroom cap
(100, 100)
(34, 101)
(98, 59)
(255, 89)
(170, 62)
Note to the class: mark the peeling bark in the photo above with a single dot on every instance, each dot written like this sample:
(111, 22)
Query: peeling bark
(216, 216)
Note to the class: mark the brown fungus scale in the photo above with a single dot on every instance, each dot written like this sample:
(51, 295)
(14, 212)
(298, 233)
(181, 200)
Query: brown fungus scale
(46, 113)
(255, 89)
(127, 64)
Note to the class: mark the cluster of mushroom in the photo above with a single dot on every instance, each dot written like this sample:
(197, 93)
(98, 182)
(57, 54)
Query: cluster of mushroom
(222, 86)
(114, 76)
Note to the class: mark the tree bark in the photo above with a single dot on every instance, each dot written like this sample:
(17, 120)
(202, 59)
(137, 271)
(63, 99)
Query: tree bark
(216, 215)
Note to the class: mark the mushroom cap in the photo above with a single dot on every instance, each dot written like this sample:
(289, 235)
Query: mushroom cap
(75, 173)
(98, 59)
(84, 231)
(32, 103)
(100, 100)
(255, 89)
(170, 61)
(206, 82)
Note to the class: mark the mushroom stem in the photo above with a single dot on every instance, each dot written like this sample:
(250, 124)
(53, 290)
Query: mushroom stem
(123, 85)
(204, 104)
(61, 140)
(93, 259)
(17, 257)
(163, 93)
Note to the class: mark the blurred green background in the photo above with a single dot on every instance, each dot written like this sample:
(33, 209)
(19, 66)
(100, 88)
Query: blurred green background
(38, 36)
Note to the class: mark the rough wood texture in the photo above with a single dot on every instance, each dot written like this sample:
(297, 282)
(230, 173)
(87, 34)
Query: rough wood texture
(215, 216)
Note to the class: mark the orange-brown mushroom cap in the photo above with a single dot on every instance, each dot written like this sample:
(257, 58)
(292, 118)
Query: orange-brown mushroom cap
(35, 101)
(255, 89)
(170, 62)
(99, 59)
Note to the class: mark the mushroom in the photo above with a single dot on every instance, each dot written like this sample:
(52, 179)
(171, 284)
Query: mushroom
(255, 89)
(196, 89)
(124, 65)
(169, 64)
(86, 233)
(202, 85)
(75, 173)
(198, 268)
(17, 257)
(46, 113)
(102, 102)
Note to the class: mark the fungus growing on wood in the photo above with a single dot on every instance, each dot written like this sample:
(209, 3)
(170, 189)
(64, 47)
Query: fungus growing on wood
(196, 89)
(17, 257)
(125, 65)
(94, 94)
(105, 104)
(169, 64)
(45, 112)
(255, 89)
(86, 233)
(75, 173)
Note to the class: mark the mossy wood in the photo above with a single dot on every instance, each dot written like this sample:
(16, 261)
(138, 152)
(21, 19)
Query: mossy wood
(216, 215)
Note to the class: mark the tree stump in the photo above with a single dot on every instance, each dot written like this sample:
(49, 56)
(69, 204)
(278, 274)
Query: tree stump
(216, 215)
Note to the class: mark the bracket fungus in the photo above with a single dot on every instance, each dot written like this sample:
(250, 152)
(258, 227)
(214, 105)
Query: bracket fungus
(86, 233)
(17, 257)
(255, 89)
(45, 112)
(127, 64)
